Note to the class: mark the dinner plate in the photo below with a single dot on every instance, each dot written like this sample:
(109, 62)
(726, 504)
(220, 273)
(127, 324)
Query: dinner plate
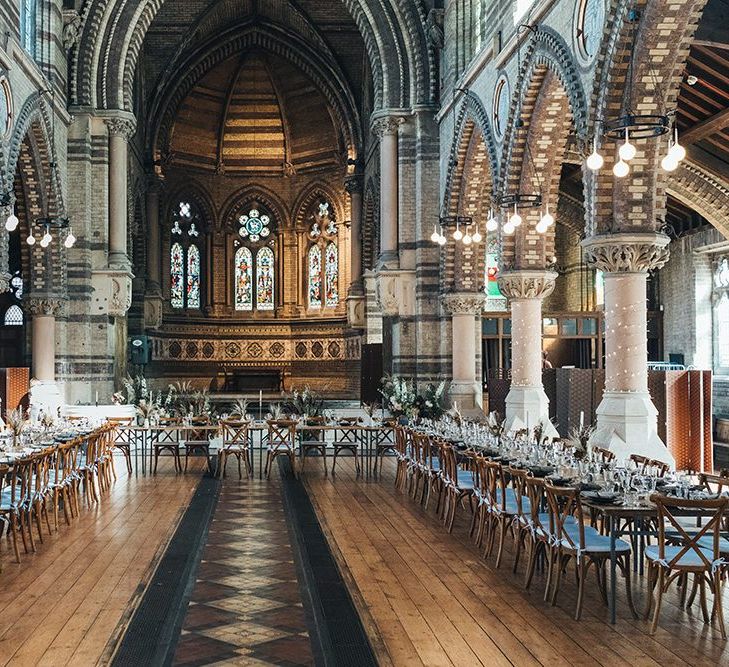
(541, 471)
(600, 497)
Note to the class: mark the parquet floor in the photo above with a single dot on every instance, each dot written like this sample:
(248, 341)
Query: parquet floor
(66, 603)
(433, 601)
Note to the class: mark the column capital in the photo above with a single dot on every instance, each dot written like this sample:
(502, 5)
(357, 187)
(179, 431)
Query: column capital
(383, 126)
(464, 303)
(627, 252)
(125, 127)
(44, 305)
(354, 184)
(527, 284)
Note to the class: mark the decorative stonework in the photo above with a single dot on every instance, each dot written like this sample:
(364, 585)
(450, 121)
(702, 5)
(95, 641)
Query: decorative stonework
(396, 293)
(71, 28)
(124, 127)
(386, 125)
(627, 253)
(112, 292)
(527, 284)
(44, 306)
(353, 184)
(464, 303)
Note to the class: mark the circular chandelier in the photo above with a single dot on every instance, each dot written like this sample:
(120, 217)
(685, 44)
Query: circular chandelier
(46, 224)
(466, 237)
(635, 126)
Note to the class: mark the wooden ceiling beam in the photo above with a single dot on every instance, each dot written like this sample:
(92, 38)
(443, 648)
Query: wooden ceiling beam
(706, 128)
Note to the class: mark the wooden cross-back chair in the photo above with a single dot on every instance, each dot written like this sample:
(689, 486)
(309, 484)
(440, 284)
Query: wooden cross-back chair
(603, 455)
(314, 441)
(122, 438)
(166, 440)
(347, 440)
(459, 485)
(281, 441)
(16, 507)
(681, 552)
(583, 544)
(397, 443)
(237, 443)
(197, 441)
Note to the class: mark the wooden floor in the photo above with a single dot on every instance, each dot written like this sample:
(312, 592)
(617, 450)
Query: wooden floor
(66, 604)
(433, 601)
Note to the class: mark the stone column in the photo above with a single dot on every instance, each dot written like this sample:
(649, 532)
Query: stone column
(386, 128)
(121, 130)
(465, 309)
(626, 416)
(356, 294)
(527, 403)
(45, 394)
(153, 291)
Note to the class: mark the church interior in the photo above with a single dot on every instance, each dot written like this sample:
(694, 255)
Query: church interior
(357, 332)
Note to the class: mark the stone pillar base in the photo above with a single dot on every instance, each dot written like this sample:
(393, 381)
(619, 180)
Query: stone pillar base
(45, 397)
(626, 424)
(525, 408)
(356, 315)
(468, 396)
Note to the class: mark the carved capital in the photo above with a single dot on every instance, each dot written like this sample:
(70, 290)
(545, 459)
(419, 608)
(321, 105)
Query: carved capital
(464, 303)
(386, 125)
(124, 127)
(71, 28)
(44, 306)
(112, 291)
(527, 284)
(353, 184)
(5, 282)
(627, 253)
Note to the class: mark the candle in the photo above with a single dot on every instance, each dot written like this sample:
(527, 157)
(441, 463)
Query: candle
(97, 397)
(260, 404)
(582, 419)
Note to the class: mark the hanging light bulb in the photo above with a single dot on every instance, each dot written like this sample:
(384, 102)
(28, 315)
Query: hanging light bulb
(467, 238)
(70, 239)
(509, 228)
(627, 151)
(435, 236)
(458, 234)
(621, 169)
(11, 224)
(547, 219)
(442, 240)
(30, 240)
(515, 218)
(677, 151)
(542, 227)
(595, 160)
(669, 163)
(47, 238)
(477, 236)
(492, 224)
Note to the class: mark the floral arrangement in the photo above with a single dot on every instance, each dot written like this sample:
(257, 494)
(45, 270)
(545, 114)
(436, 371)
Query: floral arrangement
(370, 409)
(430, 402)
(17, 420)
(400, 396)
(47, 420)
(276, 412)
(146, 410)
(306, 403)
(579, 438)
(136, 389)
(455, 413)
(496, 425)
(239, 407)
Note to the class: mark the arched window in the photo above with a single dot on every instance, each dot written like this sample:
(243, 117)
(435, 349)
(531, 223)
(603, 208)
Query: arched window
(264, 279)
(323, 274)
(185, 258)
(13, 316)
(243, 279)
(28, 21)
(255, 262)
(315, 277)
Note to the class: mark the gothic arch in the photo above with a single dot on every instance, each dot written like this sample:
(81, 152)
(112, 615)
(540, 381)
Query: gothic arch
(195, 191)
(235, 204)
(314, 191)
(703, 193)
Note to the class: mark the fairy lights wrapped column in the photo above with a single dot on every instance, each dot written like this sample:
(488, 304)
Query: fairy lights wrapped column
(626, 416)
(527, 403)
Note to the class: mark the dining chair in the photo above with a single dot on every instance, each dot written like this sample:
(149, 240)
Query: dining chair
(281, 442)
(640, 461)
(417, 462)
(603, 455)
(503, 506)
(237, 443)
(167, 440)
(403, 457)
(347, 440)
(197, 441)
(459, 485)
(584, 545)
(313, 441)
(386, 442)
(122, 438)
(521, 526)
(680, 553)
(10, 494)
(41, 489)
(87, 467)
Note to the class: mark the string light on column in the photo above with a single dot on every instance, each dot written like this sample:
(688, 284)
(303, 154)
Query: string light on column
(492, 224)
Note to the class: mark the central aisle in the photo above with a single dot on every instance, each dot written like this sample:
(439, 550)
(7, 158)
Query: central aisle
(246, 606)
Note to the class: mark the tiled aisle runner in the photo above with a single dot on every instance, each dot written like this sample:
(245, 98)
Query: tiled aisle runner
(246, 608)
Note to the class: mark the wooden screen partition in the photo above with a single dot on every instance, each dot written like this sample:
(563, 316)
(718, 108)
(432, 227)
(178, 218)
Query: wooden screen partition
(14, 388)
(682, 398)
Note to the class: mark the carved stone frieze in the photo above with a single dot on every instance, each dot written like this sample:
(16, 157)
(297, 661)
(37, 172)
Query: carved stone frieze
(112, 291)
(527, 284)
(356, 311)
(124, 127)
(39, 306)
(464, 303)
(395, 292)
(627, 253)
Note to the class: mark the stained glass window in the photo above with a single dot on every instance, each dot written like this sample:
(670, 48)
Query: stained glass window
(331, 275)
(243, 279)
(193, 277)
(264, 279)
(28, 22)
(254, 226)
(315, 277)
(177, 276)
(13, 316)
